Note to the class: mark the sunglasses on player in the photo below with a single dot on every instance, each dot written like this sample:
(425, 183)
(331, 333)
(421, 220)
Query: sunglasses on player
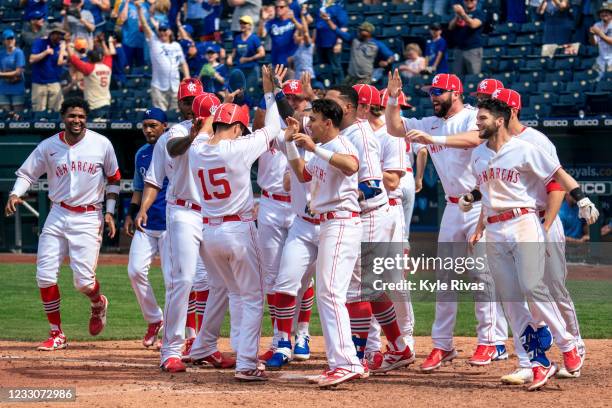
(437, 91)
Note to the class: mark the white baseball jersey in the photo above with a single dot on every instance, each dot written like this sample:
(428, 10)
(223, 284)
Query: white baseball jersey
(162, 165)
(331, 189)
(300, 192)
(183, 185)
(271, 169)
(452, 165)
(392, 155)
(361, 136)
(504, 177)
(76, 174)
(539, 140)
(223, 173)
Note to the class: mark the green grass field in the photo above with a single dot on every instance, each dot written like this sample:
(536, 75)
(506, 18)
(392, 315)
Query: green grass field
(22, 316)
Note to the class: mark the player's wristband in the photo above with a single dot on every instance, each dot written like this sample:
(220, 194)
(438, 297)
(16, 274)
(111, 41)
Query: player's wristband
(439, 140)
(110, 205)
(21, 187)
(392, 101)
(292, 151)
(577, 194)
(133, 211)
(113, 189)
(323, 153)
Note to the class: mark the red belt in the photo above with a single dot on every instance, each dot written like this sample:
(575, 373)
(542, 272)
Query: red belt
(226, 218)
(80, 208)
(453, 200)
(541, 213)
(337, 215)
(312, 220)
(508, 215)
(409, 169)
(277, 197)
(188, 204)
(394, 201)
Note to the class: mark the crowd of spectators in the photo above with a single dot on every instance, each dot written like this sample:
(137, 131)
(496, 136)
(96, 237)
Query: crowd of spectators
(92, 44)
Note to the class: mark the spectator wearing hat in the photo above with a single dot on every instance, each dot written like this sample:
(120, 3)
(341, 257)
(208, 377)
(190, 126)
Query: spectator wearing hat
(435, 51)
(132, 35)
(35, 28)
(365, 50)
(244, 8)
(558, 25)
(213, 74)
(47, 58)
(601, 35)
(328, 43)
(280, 28)
(79, 22)
(246, 50)
(414, 63)
(195, 59)
(12, 84)
(33, 6)
(466, 27)
(167, 61)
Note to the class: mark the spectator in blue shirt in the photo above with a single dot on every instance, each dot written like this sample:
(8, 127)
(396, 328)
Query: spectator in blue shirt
(213, 74)
(576, 230)
(98, 8)
(302, 59)
(212, 15)
(132, 36)
(12, 64)
(195, 59)
(246, 50)
(47, 58)
(280, 29)
(34, 5)
(435, 51)
(558, 25)
(118, 78)
(466, 27)
(159, 11)
(328, 43)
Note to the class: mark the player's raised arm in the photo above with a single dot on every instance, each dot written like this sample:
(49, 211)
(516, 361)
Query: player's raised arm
(395, 127)
(463, 140)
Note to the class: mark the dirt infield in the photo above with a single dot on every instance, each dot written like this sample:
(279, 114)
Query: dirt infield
(113, 374)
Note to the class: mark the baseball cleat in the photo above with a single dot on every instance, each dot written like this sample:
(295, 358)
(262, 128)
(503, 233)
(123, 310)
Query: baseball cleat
(572, 360)
(56, 341)
(541, 375)
(337, 376)
(281, 356)
(217, 360)
(251, 375)
(395, 359)
(301, 351)
(483, 355)
(267, 355)
(436, 358)
(520, 376)
(186, 353)
(97, 321)
(564, 374)
(366, 369)
(150, 336)
(375, 359)
(173, 365)
(501, 353)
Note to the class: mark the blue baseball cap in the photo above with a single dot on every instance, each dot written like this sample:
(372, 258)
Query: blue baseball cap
(164, 27)
(188, 28)
(8, 33)
(155, 114)
(36, 15)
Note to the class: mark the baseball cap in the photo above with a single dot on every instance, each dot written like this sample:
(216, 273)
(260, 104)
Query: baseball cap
(367, 94)
(435, 26)
(189, 87)
(186, 27)
(509, 97)
(366, 26)
(57, 28)
(488, 86)
(293, 87)
(246, 19)
(155, 114)
(164, 27)
(204, 105)
(8, 33)
(401, 99)
(230, 113)
(211, 49)
(80, 44)
(448, 82)
(36, 15)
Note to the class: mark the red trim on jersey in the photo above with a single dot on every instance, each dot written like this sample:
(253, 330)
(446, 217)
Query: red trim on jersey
(307, 176)
(553, 186)
(114, 177)
(85, 67)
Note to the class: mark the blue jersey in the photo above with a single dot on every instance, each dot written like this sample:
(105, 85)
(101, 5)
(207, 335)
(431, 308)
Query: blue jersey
(572, 224)
(431, 51)
(157, 213)
(281, 34)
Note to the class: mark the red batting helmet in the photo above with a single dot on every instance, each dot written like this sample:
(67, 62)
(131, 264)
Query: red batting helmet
(509, 97)
(293, 87)
(205, 105)
(448, 82)
(230, 113)
(488, 86)
(189, 87)
(367, 94)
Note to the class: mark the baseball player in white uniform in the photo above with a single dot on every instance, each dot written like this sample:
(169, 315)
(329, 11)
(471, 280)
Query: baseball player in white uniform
(145, 245)
(452, 165)
(79, 165)
(332, 173)
(231, 254)
(507, 169)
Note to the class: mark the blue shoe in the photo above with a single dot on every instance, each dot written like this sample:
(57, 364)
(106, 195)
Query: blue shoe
(501, 353)
(281, 356)
(301, 352)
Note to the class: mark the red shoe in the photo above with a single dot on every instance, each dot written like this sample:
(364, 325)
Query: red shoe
(337, 376)
(395, 359)
(186, 353)
(572, 360)
(173, 365)
(375, 360)
(267, 355)
(97, 321)
(151, 336)
(56, 341)
(483, 355)
(217, 360)
(436, 358)
(541, 376)
(366, 369)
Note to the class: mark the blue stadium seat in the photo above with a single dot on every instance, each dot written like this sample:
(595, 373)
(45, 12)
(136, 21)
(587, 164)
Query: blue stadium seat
(395, 31)
(421, 32)
(554, 86)
(526, 87)
(564, 63)
(562, 76)
(377, 20)
(604, 86)
(506, 65)
(377, 9)
(398, 19)
(585, 75)
(527, 112)
(533, 76)
(542, 110)
(406, 7)
(575, 98)
(531, 27)
(494, 52)
(490, 65)
(534, 64)
(498, 41)
(518, 51)
(578, 86)
(545, 98)
(506, 28)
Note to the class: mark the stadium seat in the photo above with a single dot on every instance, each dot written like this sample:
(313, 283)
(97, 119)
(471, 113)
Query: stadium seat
(542, 110)
(494, 52)
(561, 76)
(498, 41)
(585, 75)
(564, 63)
(531, 27)
(575, 98)
(505, 28)
(398, 19)
(490, 65)
(527, 112)
(526, 87)
(395, 31)
(536, 64)
(407, 7)
(578, 86)
(554, 86)
(518, 51)
(604, 86)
